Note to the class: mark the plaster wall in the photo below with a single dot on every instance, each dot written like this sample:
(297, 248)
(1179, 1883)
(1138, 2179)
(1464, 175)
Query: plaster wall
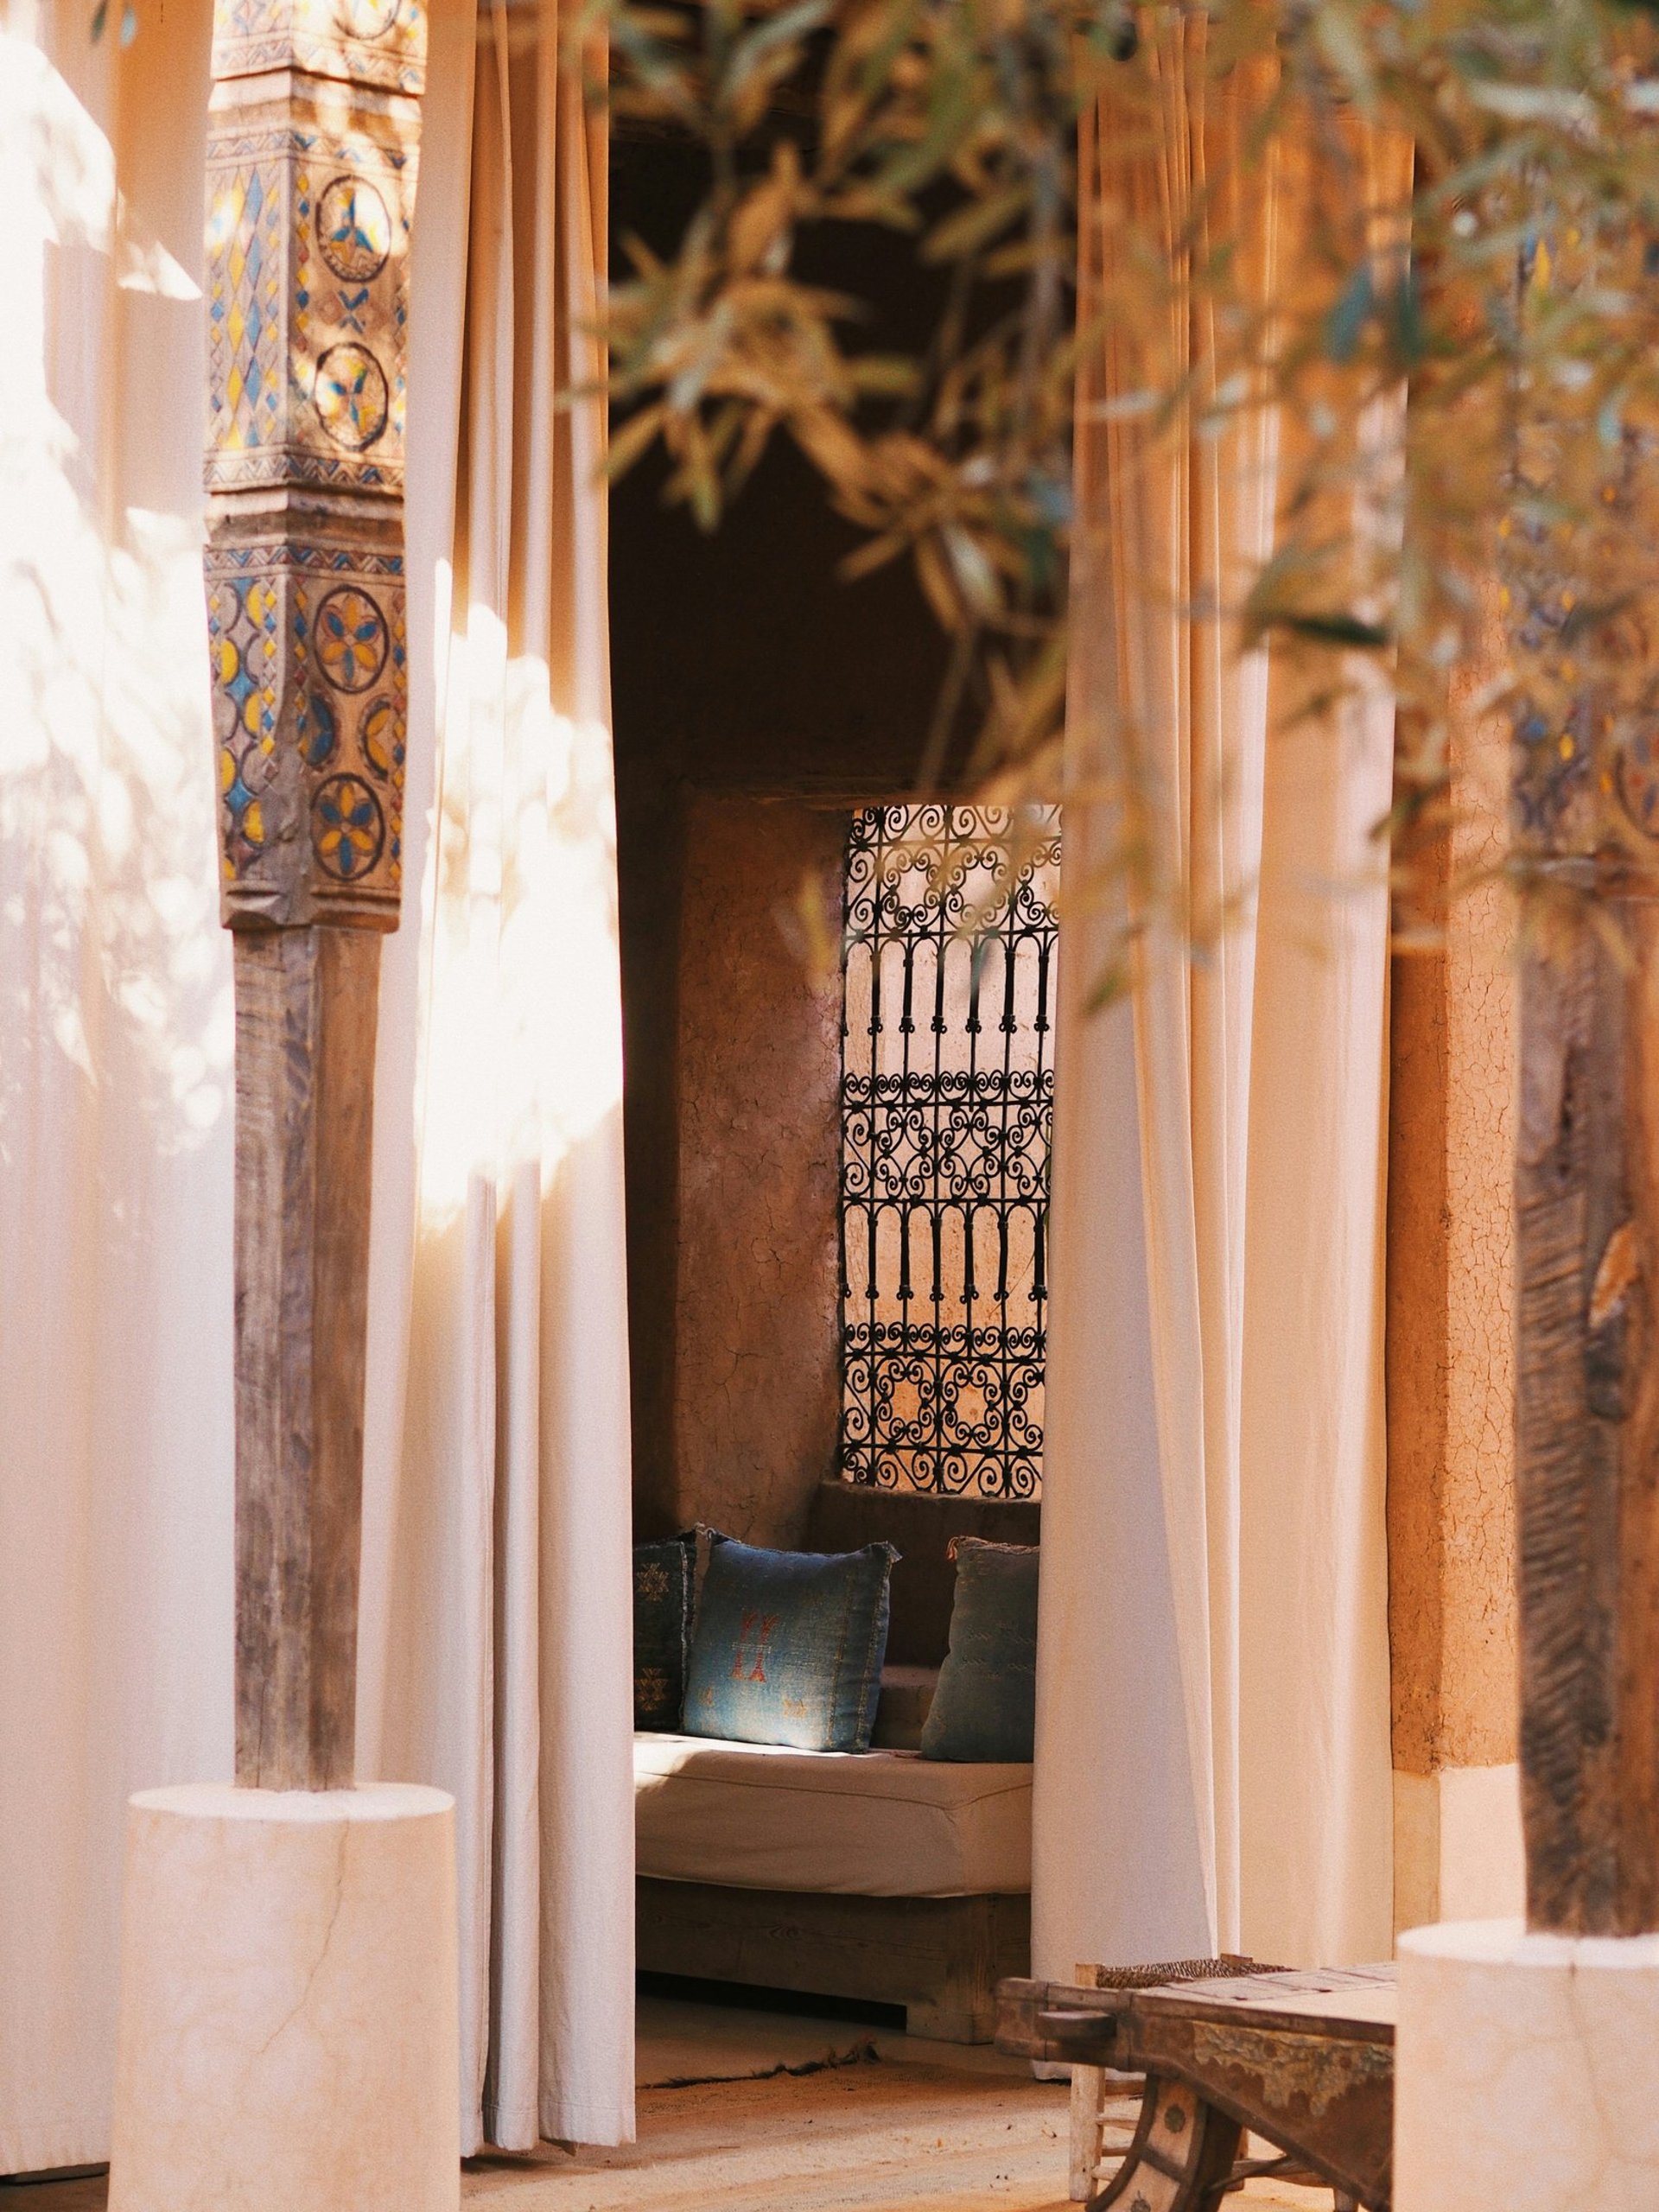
(756, 1295)
(1479, 1651)
(1451, 1356)
(1458, 1851)
(1450, 1361)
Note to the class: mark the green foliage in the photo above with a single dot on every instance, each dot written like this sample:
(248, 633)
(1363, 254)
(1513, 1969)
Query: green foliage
(1508, 547)
(1502, 558)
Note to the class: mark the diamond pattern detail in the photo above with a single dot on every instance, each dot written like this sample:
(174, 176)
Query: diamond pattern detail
(244, 332)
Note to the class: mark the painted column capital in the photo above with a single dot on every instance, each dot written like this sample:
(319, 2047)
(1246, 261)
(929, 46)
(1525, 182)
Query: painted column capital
(313, 138)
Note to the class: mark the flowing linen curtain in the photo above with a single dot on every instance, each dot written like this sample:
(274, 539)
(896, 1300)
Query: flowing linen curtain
(496, 1615)
(115, 1636)
(1212, 1747)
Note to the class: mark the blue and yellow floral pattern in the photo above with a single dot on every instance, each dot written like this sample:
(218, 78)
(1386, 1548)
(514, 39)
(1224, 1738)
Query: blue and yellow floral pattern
(350, 396)
(353, 229)
(348, 829)
(351, 639)
(381, 735)
(311, 171)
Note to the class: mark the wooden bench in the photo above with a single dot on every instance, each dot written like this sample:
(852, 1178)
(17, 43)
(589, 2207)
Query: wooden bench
(941, 1958)
(1305, 2059)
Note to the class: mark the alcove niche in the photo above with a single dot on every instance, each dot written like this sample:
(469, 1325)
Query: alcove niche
(761, 701)
(758, 700)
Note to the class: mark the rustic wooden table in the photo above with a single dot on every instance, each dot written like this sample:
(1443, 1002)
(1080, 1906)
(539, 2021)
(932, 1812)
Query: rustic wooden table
(1303, 2059)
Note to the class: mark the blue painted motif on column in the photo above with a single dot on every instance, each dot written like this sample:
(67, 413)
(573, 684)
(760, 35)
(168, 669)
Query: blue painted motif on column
(243, 632)
(348, 829)
(308, 302)
(379, 42)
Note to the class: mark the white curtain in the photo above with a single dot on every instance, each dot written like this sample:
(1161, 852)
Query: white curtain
(494, 1649)
(497, 1616)
(1212, 1748)
(116, 1634)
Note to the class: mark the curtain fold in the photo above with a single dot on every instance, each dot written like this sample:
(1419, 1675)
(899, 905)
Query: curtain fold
(495, 1611)
(115, 1632)
(1212, 1759)
(502, 1601)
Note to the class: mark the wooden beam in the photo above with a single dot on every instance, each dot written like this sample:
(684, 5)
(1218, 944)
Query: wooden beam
(305, 1028)
(1587, 1410)
(312, 136)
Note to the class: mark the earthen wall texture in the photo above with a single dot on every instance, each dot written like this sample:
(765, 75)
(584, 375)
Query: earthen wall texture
(1451, 1311)
(756, 1365)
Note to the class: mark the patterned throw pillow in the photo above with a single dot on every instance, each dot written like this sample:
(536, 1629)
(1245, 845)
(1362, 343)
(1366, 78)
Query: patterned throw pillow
(789, 1645)
(985, 1707)
(664, 1574)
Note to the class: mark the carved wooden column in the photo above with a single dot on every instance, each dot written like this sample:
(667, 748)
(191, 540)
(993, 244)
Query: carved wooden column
(1587, 1381)
(312, 145)
(1498, 2023)
(288, 1964)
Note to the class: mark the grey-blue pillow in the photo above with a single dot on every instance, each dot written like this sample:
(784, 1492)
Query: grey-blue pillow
(985, 1707)
(788, 1646)
(664, 1574)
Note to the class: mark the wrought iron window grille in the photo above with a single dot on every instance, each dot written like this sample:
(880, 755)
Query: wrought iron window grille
(947, 1086)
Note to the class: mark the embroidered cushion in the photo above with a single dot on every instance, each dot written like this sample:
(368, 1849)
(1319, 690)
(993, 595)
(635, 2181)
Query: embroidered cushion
(788, 1646)
(663, 1574)
(985, 1707)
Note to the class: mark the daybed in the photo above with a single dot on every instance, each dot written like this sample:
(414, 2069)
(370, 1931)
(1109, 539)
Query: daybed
(877, 1875)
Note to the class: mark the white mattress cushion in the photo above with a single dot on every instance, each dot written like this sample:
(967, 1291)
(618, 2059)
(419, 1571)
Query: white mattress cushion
(884, 1823)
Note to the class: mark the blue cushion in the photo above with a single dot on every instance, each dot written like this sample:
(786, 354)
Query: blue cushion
(985, 1707)
(788, 1646)
(663, 1574)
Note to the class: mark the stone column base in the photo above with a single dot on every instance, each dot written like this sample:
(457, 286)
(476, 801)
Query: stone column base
(288, 2030)
(1527, 2071)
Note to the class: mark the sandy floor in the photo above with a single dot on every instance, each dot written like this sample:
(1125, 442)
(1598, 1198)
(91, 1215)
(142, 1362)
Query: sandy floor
(872, 2134)
(873, 2137)
(888, 2124)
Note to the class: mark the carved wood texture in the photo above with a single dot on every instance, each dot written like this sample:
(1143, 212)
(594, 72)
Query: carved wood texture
(305, 1025)
(1304, 2059)
(1587, 1417)
(313, 134)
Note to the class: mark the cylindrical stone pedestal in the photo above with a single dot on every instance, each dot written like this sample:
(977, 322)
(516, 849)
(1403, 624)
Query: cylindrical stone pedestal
(288, 2018)
(1526, 2071)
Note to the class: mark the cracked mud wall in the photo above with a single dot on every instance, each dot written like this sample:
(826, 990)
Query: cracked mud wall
(757, 1293)
(1451, 1316)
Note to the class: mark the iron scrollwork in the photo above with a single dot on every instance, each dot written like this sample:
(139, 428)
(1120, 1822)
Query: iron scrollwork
(947, 1085)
